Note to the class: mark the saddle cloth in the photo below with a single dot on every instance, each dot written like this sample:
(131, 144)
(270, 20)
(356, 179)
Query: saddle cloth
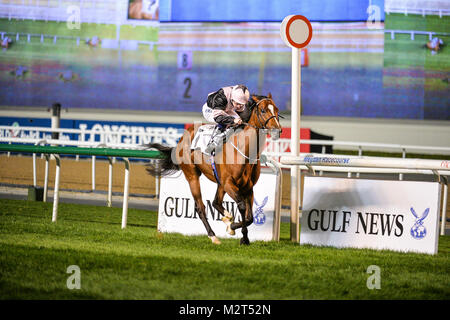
(205, 134)
(203, 137)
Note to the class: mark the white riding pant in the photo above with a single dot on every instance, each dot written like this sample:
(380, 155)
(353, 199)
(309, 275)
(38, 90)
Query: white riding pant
(208, 113)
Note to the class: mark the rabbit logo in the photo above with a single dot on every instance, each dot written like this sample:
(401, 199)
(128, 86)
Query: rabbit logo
(260, 217)
(418, 230)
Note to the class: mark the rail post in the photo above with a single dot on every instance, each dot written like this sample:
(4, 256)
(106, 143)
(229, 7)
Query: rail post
(444, 204)
(110, 176)
(56, 191)
(126, 186)
(47, 159)
(56, 119)
(93, 174)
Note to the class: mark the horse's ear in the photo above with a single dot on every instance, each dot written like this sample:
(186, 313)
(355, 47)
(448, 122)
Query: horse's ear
(269, 96)
(255, 98)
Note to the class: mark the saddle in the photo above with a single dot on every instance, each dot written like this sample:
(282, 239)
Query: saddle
(207, 134)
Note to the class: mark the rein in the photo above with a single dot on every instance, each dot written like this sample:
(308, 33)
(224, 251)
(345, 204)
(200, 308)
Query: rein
(261, 126)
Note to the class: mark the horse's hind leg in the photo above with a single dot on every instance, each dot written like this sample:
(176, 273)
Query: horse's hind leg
(228, 218)
(194, 184)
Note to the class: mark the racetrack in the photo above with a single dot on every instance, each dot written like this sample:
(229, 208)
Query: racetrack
(140, 263)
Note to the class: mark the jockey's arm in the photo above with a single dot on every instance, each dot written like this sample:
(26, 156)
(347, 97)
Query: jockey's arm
(217, 100)
(224, 121)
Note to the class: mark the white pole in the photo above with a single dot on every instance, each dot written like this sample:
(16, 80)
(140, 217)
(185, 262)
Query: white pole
(93, 173)
(157, 179)
(400, 176)
(110, 176)
(295, 142)
(56, 119)
(34, 171)
(444, 208)
(47, 157)
(56, 191)
(125, 193)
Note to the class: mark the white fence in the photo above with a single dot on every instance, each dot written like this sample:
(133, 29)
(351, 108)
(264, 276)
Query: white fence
(423, 11)
(423, 7)
(130, 137)
(316, 161)
(413, 33)
(135, 137)
(97, 11)
(277, 150)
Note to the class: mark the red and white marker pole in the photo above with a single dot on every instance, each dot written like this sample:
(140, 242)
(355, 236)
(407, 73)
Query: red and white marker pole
(296, 32)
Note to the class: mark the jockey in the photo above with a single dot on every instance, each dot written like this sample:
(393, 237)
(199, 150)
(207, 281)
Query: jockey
(434, 45)
(224, 107)
(6, 41)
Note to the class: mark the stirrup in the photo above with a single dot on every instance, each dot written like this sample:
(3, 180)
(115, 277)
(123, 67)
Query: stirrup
(210, 149)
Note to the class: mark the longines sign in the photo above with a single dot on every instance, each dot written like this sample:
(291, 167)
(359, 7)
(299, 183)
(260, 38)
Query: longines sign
(177, 211)
(394, 215)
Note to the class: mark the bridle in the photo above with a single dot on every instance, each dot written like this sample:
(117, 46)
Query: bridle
(262, 123)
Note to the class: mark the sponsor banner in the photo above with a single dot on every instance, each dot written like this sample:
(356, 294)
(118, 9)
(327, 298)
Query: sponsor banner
(115, 132)
(177, 209)
(377, 214)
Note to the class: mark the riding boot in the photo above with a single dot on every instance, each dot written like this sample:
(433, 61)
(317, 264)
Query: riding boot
(214, 143)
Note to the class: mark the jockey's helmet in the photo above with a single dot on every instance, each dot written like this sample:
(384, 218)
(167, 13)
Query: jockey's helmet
(240, 94)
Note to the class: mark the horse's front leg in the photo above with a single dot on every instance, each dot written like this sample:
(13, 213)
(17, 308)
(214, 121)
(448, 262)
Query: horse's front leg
(227, 218)
(194, 184)
(245, 210)
(247, 217)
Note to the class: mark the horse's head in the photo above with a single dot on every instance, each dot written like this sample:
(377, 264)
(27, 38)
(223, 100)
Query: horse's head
(264, 115)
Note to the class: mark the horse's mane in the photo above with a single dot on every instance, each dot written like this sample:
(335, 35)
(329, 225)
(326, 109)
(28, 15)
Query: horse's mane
(252, 103)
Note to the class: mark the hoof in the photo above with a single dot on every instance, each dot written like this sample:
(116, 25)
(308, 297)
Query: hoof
(229, 230)
(245, 241)
(215, 240)
(228, 216)
(228, 219)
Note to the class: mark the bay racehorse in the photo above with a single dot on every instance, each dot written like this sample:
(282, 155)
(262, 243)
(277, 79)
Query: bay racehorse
(237, 164)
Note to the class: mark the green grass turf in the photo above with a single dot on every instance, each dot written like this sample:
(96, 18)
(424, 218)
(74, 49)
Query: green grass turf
(140, 263)
(87, 30)
(402, 52)
(398, 21)
(33, 52)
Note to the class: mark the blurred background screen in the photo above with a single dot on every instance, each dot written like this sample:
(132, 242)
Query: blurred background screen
(369, 59)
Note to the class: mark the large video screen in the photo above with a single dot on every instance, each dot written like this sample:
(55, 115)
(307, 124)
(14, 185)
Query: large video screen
(369, 59)
(265, 10)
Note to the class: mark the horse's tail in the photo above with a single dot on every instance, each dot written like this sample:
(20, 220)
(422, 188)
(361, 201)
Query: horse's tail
(164, 166)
